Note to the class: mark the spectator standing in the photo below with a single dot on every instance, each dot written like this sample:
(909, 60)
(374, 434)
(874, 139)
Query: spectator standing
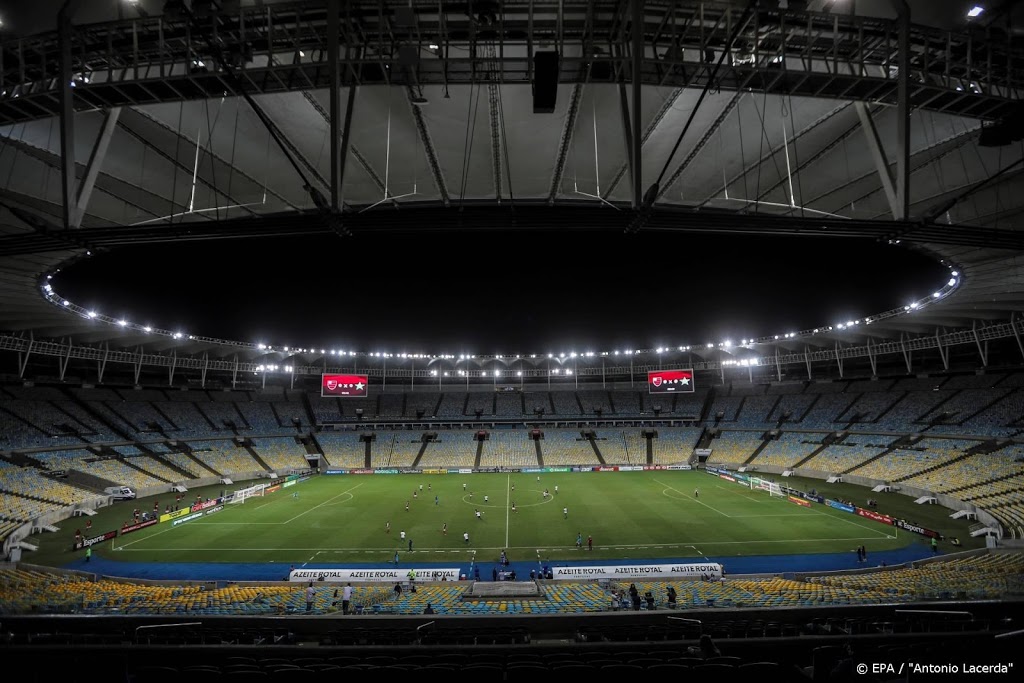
(634, 596)
(346, 598)
(310, 596)
(590, 542)
(671, 595)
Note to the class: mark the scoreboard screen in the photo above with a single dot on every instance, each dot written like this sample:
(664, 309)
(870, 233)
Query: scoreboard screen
(670, 381)
(343, 385)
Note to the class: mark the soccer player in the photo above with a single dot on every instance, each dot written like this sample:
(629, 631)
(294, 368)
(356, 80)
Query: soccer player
(465, 537)
(478, 515)
(401, 534)
(463, 486)
(565, 513)
(485, 497)
(387, 527)
(696, 493)
(436, 501)
(513, 506)
(556, 488)
(444, 528)
(579, 540)
(406, 506)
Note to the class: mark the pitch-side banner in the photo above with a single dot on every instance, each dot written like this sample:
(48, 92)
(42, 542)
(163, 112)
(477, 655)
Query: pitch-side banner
(670, 381)
(643, 571)
(343, 385)
(383, 574)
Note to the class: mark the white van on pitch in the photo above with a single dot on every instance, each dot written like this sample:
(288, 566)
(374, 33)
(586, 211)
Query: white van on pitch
(119, 492)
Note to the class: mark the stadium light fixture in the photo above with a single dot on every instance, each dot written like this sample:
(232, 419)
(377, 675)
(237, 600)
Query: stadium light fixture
(975, 11)
(122, 323)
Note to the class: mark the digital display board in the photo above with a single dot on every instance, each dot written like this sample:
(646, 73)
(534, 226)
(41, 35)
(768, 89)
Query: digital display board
(343, 385)
(670, 381)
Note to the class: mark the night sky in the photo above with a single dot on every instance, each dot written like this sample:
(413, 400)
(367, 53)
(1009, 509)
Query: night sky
(500, 294)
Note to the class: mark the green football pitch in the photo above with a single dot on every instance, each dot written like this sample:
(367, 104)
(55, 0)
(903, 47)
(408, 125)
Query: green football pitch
(338, 519)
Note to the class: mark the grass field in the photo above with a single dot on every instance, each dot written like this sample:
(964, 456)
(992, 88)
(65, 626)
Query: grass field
(341, 519)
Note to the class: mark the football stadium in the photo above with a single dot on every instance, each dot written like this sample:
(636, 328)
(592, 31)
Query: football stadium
(835, 500)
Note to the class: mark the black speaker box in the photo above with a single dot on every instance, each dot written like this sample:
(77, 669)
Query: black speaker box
(545, 81)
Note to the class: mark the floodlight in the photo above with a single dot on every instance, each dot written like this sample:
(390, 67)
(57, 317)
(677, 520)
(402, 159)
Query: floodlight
(975, 11)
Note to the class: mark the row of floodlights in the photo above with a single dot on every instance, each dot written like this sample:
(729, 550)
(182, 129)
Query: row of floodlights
(52, 296)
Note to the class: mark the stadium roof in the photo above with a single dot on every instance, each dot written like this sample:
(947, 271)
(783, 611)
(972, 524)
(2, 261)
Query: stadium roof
(212, 120)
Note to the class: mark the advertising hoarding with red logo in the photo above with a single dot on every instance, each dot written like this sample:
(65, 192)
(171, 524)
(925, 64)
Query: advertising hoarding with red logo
(343, 385)
(670, 381)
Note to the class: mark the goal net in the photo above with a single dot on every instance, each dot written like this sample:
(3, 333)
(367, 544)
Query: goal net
(771, 487)
(241, 495)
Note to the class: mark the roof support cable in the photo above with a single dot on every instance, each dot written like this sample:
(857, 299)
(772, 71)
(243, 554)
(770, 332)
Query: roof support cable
(238, 86)
(936, 213)
(726, 50)
(504, 145)
(467, 145)
(387, 167)
(796, 156)
(597, 165)
(654, 191)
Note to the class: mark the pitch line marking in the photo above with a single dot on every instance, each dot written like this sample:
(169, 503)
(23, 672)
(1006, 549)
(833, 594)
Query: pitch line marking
(500, 548)
(695, 500)
(348, 492)
(746, 494)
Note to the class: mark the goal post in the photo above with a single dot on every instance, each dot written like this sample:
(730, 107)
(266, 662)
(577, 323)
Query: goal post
(771, 487)
(241, 495)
